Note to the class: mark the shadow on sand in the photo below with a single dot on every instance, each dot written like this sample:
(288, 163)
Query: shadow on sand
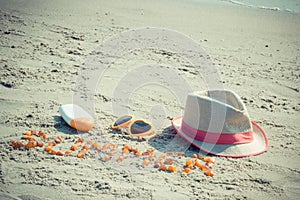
(62, 126)
(170, 141)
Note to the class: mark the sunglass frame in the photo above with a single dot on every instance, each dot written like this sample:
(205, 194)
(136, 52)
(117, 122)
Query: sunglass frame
(130, 122)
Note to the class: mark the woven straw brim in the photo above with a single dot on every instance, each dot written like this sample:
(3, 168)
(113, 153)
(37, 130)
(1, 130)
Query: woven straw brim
(257, 146)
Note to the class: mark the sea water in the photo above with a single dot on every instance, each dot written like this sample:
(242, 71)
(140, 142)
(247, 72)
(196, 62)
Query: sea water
(275, 5)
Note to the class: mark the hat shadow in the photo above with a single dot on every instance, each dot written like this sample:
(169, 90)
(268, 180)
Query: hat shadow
(61, 126)
(169, 141)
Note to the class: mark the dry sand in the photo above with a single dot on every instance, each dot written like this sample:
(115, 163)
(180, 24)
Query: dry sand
(43, 47)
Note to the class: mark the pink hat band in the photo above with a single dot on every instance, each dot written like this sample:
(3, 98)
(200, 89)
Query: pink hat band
(217, 138)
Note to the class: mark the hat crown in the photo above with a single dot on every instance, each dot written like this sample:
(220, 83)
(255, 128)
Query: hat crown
(217, 111)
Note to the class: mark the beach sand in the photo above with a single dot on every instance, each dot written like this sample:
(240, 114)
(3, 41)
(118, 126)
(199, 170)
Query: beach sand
(44, 46)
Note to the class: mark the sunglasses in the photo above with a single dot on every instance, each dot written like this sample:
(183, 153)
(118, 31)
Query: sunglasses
(136, 127)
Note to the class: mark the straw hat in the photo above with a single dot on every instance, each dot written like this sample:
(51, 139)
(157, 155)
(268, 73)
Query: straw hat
(217, 122)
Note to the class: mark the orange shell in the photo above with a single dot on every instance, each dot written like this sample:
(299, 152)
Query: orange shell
(48, 149)
(186, 170)
(17, 145)
(30, 133)
(31, 139)
(134, 149)
(163, 167)
(127, 147)
(208, 173)
(52, 152)
(40, 144)
(20, 145)
(87, 146)
(125, 151)
(189, 162)
(31, 144)
(205, 168)
(172, 168)
(148, 152)
(68, 152)
(41, 133)
(59, 153)
(146, 162)
(106, 158)
(120, 158)
(13, 143)
(199, 164)
(73, 147)
(45, 136)
(51, 144)
(58, 139)
(209, 160)
(83, 151)
(26, 137)
(80, 140)
(80, 155)
(191, 166)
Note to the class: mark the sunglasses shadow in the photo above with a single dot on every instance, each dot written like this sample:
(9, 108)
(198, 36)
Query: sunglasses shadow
(124, 135)
(169, 141)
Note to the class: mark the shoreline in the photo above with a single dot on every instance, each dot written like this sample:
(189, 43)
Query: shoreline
(274, 7)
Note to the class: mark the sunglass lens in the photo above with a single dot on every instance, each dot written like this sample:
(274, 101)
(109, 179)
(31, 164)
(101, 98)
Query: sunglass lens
(139, 127)
(122, 120)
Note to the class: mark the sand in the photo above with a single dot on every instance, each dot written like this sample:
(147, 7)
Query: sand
(44, 51)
